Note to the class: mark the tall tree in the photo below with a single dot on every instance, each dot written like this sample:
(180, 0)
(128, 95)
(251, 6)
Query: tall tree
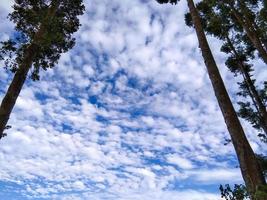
(219, 25)
(44, 29)
(250, 169)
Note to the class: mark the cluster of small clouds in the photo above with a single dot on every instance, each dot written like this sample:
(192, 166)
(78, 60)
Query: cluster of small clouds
(129, 113)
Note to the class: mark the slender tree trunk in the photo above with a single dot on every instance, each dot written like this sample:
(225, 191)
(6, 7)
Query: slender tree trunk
(20, 76)
(260, 107)
(249, 165)
(265, 44)
(251, 35)
(15, 87)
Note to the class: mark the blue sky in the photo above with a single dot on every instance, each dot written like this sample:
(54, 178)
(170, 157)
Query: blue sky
(127, 114)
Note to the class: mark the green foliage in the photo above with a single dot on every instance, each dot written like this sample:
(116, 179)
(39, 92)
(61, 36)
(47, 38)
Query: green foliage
(261, 193)
(247, 109)
(167, 1)
(238, 193)
(6, 128)
(263, 163)
(29, 17)
(252, 13)
(7, 54)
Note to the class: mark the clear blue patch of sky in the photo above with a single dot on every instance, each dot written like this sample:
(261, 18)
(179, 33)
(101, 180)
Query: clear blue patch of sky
(13, 191)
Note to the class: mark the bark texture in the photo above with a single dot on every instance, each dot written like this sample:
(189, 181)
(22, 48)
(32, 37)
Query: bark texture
(249, 165)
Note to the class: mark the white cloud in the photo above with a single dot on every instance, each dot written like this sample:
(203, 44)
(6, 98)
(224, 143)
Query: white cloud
(217, 175)
(179, 161)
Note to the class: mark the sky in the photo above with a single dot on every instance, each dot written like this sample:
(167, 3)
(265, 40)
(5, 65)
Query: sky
(127, 114)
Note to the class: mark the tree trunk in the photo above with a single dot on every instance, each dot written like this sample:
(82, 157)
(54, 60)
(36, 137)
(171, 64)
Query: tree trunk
(249, 165)
(15, 87)
(255, 40)
(260, 107)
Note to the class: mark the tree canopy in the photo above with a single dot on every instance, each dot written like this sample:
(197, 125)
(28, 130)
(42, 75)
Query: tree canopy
(29, 17)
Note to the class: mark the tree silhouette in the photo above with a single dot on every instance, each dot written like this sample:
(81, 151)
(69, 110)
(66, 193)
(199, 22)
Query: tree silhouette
(251, 171)
(44, 30)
